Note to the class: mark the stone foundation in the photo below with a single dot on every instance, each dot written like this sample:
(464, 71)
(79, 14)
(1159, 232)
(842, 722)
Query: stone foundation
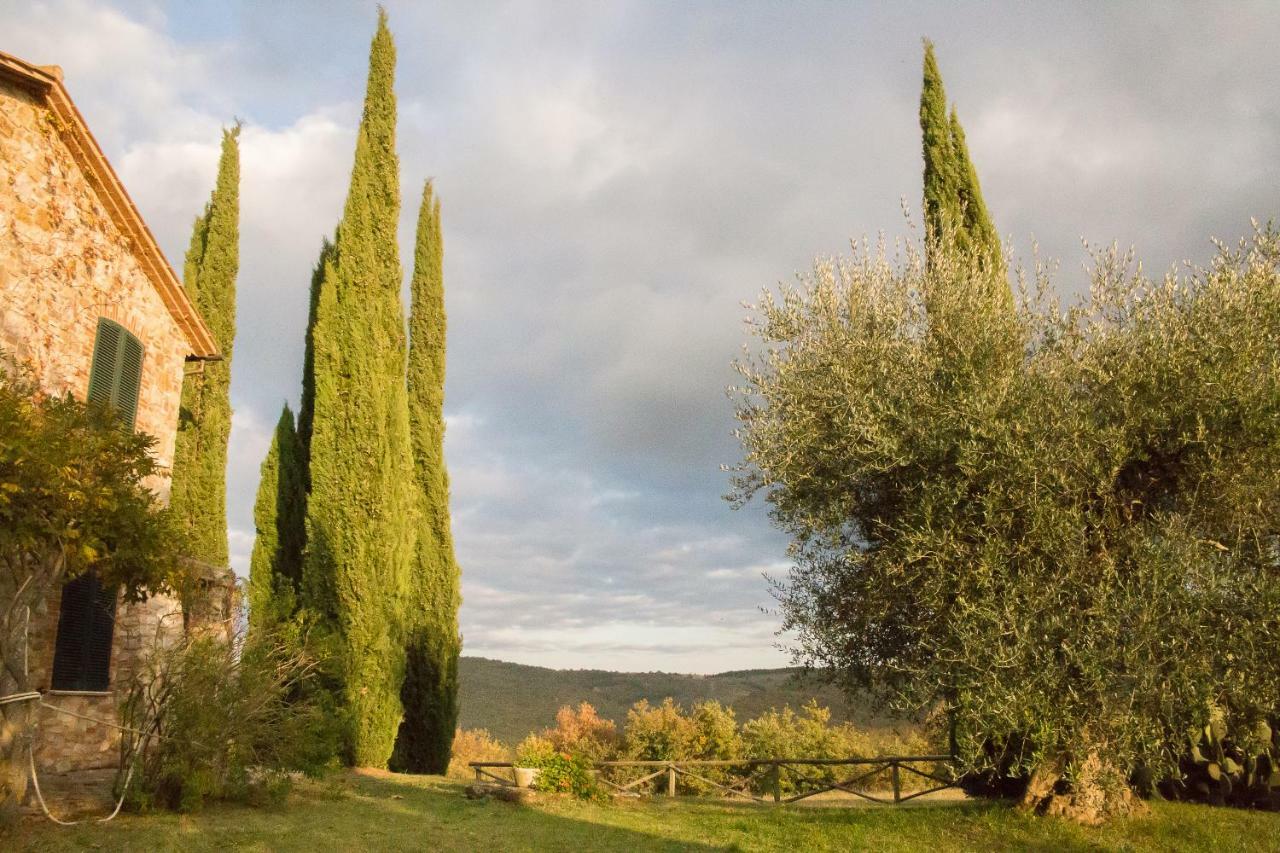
(65, 742)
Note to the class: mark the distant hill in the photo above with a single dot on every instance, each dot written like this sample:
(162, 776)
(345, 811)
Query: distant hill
(511, 700)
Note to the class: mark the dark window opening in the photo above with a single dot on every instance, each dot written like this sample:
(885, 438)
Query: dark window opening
(82, 654)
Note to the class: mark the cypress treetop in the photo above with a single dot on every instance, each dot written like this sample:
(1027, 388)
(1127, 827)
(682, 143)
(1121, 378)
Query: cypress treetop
(940, 181)
(953, 202)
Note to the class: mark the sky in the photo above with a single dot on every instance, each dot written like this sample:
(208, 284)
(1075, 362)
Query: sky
(617, 179)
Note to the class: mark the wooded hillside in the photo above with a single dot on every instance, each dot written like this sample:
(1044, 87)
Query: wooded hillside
(511, 700)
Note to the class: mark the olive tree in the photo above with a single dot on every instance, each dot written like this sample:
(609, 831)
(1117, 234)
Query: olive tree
(1056, 528)
(73, 498)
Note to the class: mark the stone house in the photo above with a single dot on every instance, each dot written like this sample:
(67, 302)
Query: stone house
(89, 303)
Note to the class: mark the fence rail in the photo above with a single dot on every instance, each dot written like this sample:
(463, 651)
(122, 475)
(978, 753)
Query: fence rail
(761, 774)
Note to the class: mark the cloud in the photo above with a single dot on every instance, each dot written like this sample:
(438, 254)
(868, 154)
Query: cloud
(615, 179)
(128, 78)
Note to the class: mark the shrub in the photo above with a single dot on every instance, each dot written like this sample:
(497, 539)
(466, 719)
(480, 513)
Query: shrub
(713, 737)
(715, 733)
(562, 773)
(583, 732)
(809, 734)
(75, 497)
(228, 721)
(474, 745)
(533, 751)
(710, 732)
(1056, 523)
(657, 733)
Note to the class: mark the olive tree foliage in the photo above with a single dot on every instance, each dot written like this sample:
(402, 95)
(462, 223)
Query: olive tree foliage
(75, 496)
(1059, 522)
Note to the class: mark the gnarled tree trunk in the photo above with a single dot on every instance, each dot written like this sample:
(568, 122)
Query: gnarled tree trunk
(1096, 793)
(24, 585)
(16, 717)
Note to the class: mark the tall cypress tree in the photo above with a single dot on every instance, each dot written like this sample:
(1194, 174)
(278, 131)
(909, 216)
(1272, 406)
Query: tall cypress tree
(307, 404)
(954, 210)
(275, 567)
(430, 691)
(199, 488)
(361, 508)
(292, 533)
(952, 196)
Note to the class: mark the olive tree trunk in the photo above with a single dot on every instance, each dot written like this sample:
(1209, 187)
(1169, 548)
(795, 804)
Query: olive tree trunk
(24, 584)
(1094, 794)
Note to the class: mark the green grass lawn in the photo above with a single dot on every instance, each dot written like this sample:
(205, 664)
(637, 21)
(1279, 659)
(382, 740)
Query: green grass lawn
(383, 812)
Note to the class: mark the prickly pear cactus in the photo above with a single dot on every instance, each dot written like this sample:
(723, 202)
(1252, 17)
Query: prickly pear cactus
(1216, 769)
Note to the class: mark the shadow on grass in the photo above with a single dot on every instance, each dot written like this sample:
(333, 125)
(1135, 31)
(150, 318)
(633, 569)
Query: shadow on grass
(373, 810)
(362, 810)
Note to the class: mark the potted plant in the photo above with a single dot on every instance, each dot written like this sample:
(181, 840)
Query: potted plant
(532, 753)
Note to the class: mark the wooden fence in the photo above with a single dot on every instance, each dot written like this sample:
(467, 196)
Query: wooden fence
(750, 777)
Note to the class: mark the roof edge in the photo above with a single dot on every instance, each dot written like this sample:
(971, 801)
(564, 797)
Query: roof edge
(75, 133)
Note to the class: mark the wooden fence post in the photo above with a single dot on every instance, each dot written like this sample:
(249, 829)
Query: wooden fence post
(897, 784)
(671, 780)
(775, 782)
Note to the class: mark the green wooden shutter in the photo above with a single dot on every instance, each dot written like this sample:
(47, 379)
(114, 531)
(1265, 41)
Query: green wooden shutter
(106, 362)
(130, 379)
(115, 377)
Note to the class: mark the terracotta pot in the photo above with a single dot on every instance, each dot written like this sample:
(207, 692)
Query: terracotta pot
(525, 776)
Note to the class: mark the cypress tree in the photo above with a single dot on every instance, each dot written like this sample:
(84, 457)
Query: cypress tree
(952, 196)
(955, 210)
(293, 537)
(430, 691)
(198, 498)
(977, 223)
(275, 567)
(307, 404)
(940, 181)
(361, 508)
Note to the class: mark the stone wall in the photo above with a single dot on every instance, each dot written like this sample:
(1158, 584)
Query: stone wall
(64, 742)
(64, 264)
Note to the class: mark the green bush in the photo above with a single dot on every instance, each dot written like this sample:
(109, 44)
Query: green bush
(533, 751)
(563, 773)
(75, 497)
(713, 737)
(1055, 522)
(657, 733)
(228, 721)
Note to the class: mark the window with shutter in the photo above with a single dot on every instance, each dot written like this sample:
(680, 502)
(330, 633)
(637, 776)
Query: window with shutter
(115, 377)
(82, 652)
